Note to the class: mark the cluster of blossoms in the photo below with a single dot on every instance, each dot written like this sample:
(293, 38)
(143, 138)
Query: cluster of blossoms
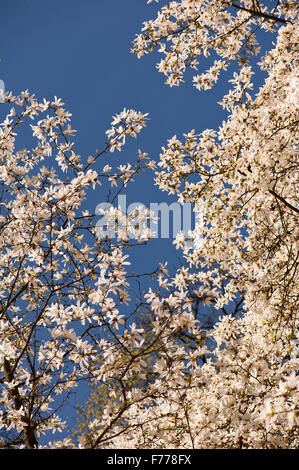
(234, 384)
(187, 29)
(61, 285)
(128, 122)
(177, 381)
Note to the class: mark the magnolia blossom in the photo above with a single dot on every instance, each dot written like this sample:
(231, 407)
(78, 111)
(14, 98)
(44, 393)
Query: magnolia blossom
(61, 285)
(128, 122)
(215, 362)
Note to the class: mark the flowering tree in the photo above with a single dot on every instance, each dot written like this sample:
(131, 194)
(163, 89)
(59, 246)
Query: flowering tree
(232, 385)
(55, 268)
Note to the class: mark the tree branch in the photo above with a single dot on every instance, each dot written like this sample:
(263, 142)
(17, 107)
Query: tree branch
(283, 201)
(267, 16)
(29, 434)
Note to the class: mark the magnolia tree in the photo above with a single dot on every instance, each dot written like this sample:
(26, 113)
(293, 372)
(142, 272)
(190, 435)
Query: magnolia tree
(61, 281)
(231, 385)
